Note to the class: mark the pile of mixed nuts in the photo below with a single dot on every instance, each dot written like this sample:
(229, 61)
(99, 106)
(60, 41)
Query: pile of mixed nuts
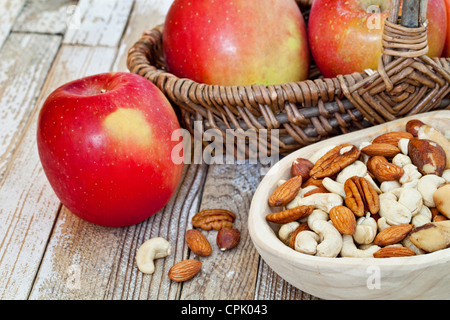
(389, 197)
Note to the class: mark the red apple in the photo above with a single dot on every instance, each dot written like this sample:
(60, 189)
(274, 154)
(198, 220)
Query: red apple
(239, 42)
(104, 142)
(345, 37)
(446, 52)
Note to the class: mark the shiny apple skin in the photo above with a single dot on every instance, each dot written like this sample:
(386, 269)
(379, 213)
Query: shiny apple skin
(239, 42)
(104, 142)
(342, 43)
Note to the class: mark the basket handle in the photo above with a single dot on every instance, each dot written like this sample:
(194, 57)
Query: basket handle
(414, 14)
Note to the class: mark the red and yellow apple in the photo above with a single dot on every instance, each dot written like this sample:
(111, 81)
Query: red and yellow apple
(446, 51)
(239, 42)
(345, 35)
(104, 142)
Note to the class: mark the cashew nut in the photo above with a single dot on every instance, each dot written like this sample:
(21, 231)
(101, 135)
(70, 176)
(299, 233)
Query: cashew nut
(427, 185)
(423, 217)
(382, 224)
(317, 214)
(394, 212)
(403, 145)
(366, 230)
(408, 244)
(401, 160)
(306, 242)
(331, 244)
(387, 186)
(286, 230)
(349, 248)
(411, 173)
(323, 201)
(410, 198)
(333, 186)
(372, 183)
(150, 250)
(357, 168)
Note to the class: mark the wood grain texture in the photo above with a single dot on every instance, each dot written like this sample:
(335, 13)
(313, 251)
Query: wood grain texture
(102, 23)
(45, 16)
(230, 274)
(46, 252)
(28, 204)
(9, 9)
(146, 14)
(87, 261)
(20, 83)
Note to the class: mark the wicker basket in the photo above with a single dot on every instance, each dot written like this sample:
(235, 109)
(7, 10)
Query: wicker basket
(407, 82)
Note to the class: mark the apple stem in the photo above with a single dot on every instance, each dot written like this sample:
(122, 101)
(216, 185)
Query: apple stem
(103, 91)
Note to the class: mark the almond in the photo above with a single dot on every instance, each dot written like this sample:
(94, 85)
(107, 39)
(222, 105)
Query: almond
(286, 192)
(392, 137)
(290, 215)
(198, 243)
(383, 170)
(381, 149)
(392, 235)
(184, 270)
(343, 219)
(393, 251)
(228, 238)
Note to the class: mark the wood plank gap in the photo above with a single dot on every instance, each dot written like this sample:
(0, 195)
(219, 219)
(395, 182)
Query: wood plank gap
(45, 249)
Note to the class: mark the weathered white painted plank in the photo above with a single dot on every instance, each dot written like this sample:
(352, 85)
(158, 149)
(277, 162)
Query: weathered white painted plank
(28, 205)
(146, 15)
(9, 9)
(231, 274)
(45, 16)
(24, 63)
(102, 22)
(86, 261)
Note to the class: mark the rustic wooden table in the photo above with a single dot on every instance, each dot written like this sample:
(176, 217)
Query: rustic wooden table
(48, 253)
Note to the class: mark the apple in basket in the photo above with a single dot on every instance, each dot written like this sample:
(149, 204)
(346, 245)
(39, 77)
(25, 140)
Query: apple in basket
(345, 36)
(104, 142)
(239, 42)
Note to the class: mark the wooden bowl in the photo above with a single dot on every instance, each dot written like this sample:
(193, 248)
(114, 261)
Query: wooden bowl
(419, 277)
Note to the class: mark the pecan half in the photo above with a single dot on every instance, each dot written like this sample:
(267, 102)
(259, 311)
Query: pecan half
(213, 219)
(302, 227)
(360, 196)
(335, 160)
(290, 215)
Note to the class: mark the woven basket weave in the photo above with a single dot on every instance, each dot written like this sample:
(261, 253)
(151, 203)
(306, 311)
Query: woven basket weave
(407, 82)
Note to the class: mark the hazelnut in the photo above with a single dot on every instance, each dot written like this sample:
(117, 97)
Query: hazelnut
(301, 167)
(228, 238)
